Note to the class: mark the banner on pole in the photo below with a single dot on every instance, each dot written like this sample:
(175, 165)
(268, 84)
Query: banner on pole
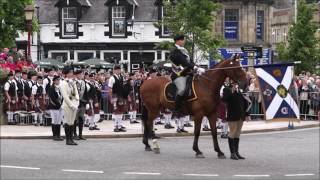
(275, 83)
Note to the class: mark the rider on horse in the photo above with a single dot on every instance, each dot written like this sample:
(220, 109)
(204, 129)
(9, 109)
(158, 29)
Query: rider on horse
(182, 68)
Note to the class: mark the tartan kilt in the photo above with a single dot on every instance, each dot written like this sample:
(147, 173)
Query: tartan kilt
(12, 106)
(89, 108)
(96, 109)
(40, 105)
(120, 106)
(30, 107)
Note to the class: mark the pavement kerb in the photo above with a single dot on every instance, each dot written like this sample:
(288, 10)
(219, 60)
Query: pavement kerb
(174, 134)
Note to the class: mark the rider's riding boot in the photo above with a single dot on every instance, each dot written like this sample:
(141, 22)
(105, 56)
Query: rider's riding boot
(179, 100)
(236, 142)
(232, 149)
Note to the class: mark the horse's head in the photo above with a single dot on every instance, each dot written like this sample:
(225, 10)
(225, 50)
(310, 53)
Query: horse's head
(232, 69)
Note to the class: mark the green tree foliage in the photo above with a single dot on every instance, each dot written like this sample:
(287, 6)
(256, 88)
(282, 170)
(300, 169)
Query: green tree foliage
(303, 44)
(12, 20)
(194, 19)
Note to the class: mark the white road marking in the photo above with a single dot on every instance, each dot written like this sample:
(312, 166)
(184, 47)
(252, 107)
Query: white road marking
(279, 132)
(19, 167)
(252, 175)
(202, 175)
(299, 175)
(84, 171)
(142, 173)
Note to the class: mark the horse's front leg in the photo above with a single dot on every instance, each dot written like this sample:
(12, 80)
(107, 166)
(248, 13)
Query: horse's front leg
(213, 120)
(197, 128)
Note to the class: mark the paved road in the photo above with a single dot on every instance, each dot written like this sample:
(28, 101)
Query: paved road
(281, 155)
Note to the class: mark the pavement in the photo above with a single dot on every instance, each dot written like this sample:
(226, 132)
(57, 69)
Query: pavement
(135, 130)
(284, 155)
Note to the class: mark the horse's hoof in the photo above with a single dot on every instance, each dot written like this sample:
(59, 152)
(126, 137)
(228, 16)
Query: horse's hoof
(148, 149)
(221, 156)
(156, 150)
(200, 156)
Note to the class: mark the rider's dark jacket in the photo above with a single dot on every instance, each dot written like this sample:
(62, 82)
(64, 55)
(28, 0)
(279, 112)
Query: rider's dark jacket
(179, 58)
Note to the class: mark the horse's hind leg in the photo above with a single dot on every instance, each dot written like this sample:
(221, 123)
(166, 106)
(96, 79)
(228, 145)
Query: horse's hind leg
(148, 129)
(197, 128)
(212, 120)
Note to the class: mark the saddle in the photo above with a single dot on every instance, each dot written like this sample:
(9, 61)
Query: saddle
(170, 91)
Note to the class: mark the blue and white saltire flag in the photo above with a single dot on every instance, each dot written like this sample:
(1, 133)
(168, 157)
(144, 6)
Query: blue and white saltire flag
(275, 82)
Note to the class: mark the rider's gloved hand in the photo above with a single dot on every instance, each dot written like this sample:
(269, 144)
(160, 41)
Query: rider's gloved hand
(201, 70)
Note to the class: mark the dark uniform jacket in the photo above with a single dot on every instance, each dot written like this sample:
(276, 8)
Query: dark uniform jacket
(55, 98)
(237, 105)
(178, 58)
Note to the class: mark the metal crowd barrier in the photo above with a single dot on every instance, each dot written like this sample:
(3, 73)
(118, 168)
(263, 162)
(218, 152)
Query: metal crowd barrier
(310, 108)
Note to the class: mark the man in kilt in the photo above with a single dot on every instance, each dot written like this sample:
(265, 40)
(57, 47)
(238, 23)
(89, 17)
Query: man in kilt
(117, 100)
(11, 97)
(38, 101)
(133, 100)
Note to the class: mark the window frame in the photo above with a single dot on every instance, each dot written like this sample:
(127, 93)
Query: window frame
(123, 19)
(234, 19)
(260, 19)
(64, 20)
(50, 52)
(76, 54)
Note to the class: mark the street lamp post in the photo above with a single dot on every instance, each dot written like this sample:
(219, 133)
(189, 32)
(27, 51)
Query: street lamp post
(29, 16)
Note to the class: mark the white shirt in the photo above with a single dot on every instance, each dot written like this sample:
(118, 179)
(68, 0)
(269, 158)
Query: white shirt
(7, 85)
(112, 81)
(46, 82)
(35, 89)
(31, 83)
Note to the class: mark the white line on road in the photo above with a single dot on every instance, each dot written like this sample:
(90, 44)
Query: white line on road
(279, 132)
(142, 173)
(299, 175)
(202, 175)
(19, 167)
(252, 175)
(84, 171)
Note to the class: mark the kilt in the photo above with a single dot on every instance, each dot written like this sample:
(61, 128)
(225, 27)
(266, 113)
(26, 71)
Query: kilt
(12, 106)
(40, 105)
(89, 108)
(133, 104)
(119, 105)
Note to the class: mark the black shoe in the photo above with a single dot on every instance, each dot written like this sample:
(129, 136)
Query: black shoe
(96, 128)
(82, 138)
(134, 122)
(168, 126)
(179, 130)
(86, 125)
(182, 130)
(225, 136)
(188, 125)
(236, 142)
(75, 137)
(206, 128)
(159, 123)
(92, 128)
(122, 130)
(116, 130)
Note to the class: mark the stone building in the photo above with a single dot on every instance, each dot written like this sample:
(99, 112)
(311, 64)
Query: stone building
(283, 15)
(245, 23)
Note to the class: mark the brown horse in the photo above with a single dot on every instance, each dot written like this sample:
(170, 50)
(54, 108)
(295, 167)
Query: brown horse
(207, 87)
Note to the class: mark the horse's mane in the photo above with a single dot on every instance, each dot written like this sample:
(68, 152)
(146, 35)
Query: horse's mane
(219, 63)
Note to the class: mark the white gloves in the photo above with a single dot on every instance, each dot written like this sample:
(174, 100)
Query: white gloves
(199, 70)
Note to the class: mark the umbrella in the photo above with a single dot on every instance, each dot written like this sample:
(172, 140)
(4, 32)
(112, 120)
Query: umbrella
(95, 63)
(49, 63)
